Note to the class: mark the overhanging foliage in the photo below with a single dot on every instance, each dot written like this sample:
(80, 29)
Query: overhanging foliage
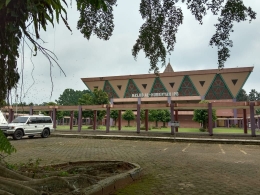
(5, 146)
(157, 34)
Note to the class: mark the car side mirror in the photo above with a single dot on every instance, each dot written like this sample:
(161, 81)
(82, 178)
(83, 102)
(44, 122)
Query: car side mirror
(29, 122)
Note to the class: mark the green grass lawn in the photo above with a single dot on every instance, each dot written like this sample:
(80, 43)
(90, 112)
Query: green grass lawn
(165, 130)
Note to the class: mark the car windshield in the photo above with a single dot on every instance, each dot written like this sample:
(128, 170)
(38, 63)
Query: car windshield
(20, 119)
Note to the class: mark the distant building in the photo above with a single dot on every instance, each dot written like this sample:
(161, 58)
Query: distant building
(183, 86)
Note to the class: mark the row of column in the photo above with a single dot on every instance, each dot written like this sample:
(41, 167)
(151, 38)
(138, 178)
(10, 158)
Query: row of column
(174, 117)
(52, 115)
(240, 123)
(11, 114)
(252, 119)
(108, 109)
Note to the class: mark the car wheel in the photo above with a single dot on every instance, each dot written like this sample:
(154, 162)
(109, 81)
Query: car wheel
(31, 136)
(45, 133)
(18, 134)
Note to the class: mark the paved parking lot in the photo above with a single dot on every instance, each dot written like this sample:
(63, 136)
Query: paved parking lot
(169, 168)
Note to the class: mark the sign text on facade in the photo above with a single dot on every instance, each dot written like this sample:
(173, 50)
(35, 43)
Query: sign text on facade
(168, 94)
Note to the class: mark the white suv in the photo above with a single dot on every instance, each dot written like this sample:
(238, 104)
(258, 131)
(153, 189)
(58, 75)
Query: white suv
(30, 126)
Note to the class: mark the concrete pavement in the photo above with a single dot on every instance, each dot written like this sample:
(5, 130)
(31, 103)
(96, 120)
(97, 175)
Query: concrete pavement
(169, 167)
(162, 136)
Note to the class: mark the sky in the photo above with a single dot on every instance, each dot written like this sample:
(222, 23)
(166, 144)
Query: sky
(82, 58)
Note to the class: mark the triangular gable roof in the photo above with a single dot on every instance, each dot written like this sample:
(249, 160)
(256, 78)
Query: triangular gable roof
(110, 90)
(158, 86)
(131, 89)
(218, 89)
(168, 68)
(187, 88)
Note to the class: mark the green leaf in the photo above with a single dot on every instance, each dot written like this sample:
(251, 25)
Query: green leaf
(5, 145)
(50, 19)
(7, 2)
(2, 4)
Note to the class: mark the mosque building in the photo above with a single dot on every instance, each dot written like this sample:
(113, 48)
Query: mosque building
(214, 85)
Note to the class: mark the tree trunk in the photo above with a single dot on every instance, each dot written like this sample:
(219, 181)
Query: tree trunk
(50, 181)
(12, 183)
(204, 125)
(128, 123)
(4, 172)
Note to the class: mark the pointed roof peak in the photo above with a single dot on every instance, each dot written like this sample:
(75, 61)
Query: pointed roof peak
(168, 68)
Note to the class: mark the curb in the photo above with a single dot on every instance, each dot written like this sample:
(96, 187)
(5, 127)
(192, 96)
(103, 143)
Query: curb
(165, 139)
(113, 183)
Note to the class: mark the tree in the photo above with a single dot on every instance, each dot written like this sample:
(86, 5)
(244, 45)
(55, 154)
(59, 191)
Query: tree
(128, 116)
(114, 115)
(242, 96)
(59, 114)
(157, 34)
(31, 104)
(20, 104)
(2, 103)
(18, 17)
(154, 117)
(162, 19)
(201, 116)
(70, 97)
(254, 96)
(142, 115)
(165, 116)
(159, 115)
(98, 97)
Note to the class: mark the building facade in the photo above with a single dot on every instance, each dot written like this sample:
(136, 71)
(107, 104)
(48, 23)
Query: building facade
(213, 85)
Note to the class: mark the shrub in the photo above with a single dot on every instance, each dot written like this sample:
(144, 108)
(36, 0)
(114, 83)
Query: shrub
(233, 126)
(64, 174)
(143, 128)
(202, 130)
(91, 127)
